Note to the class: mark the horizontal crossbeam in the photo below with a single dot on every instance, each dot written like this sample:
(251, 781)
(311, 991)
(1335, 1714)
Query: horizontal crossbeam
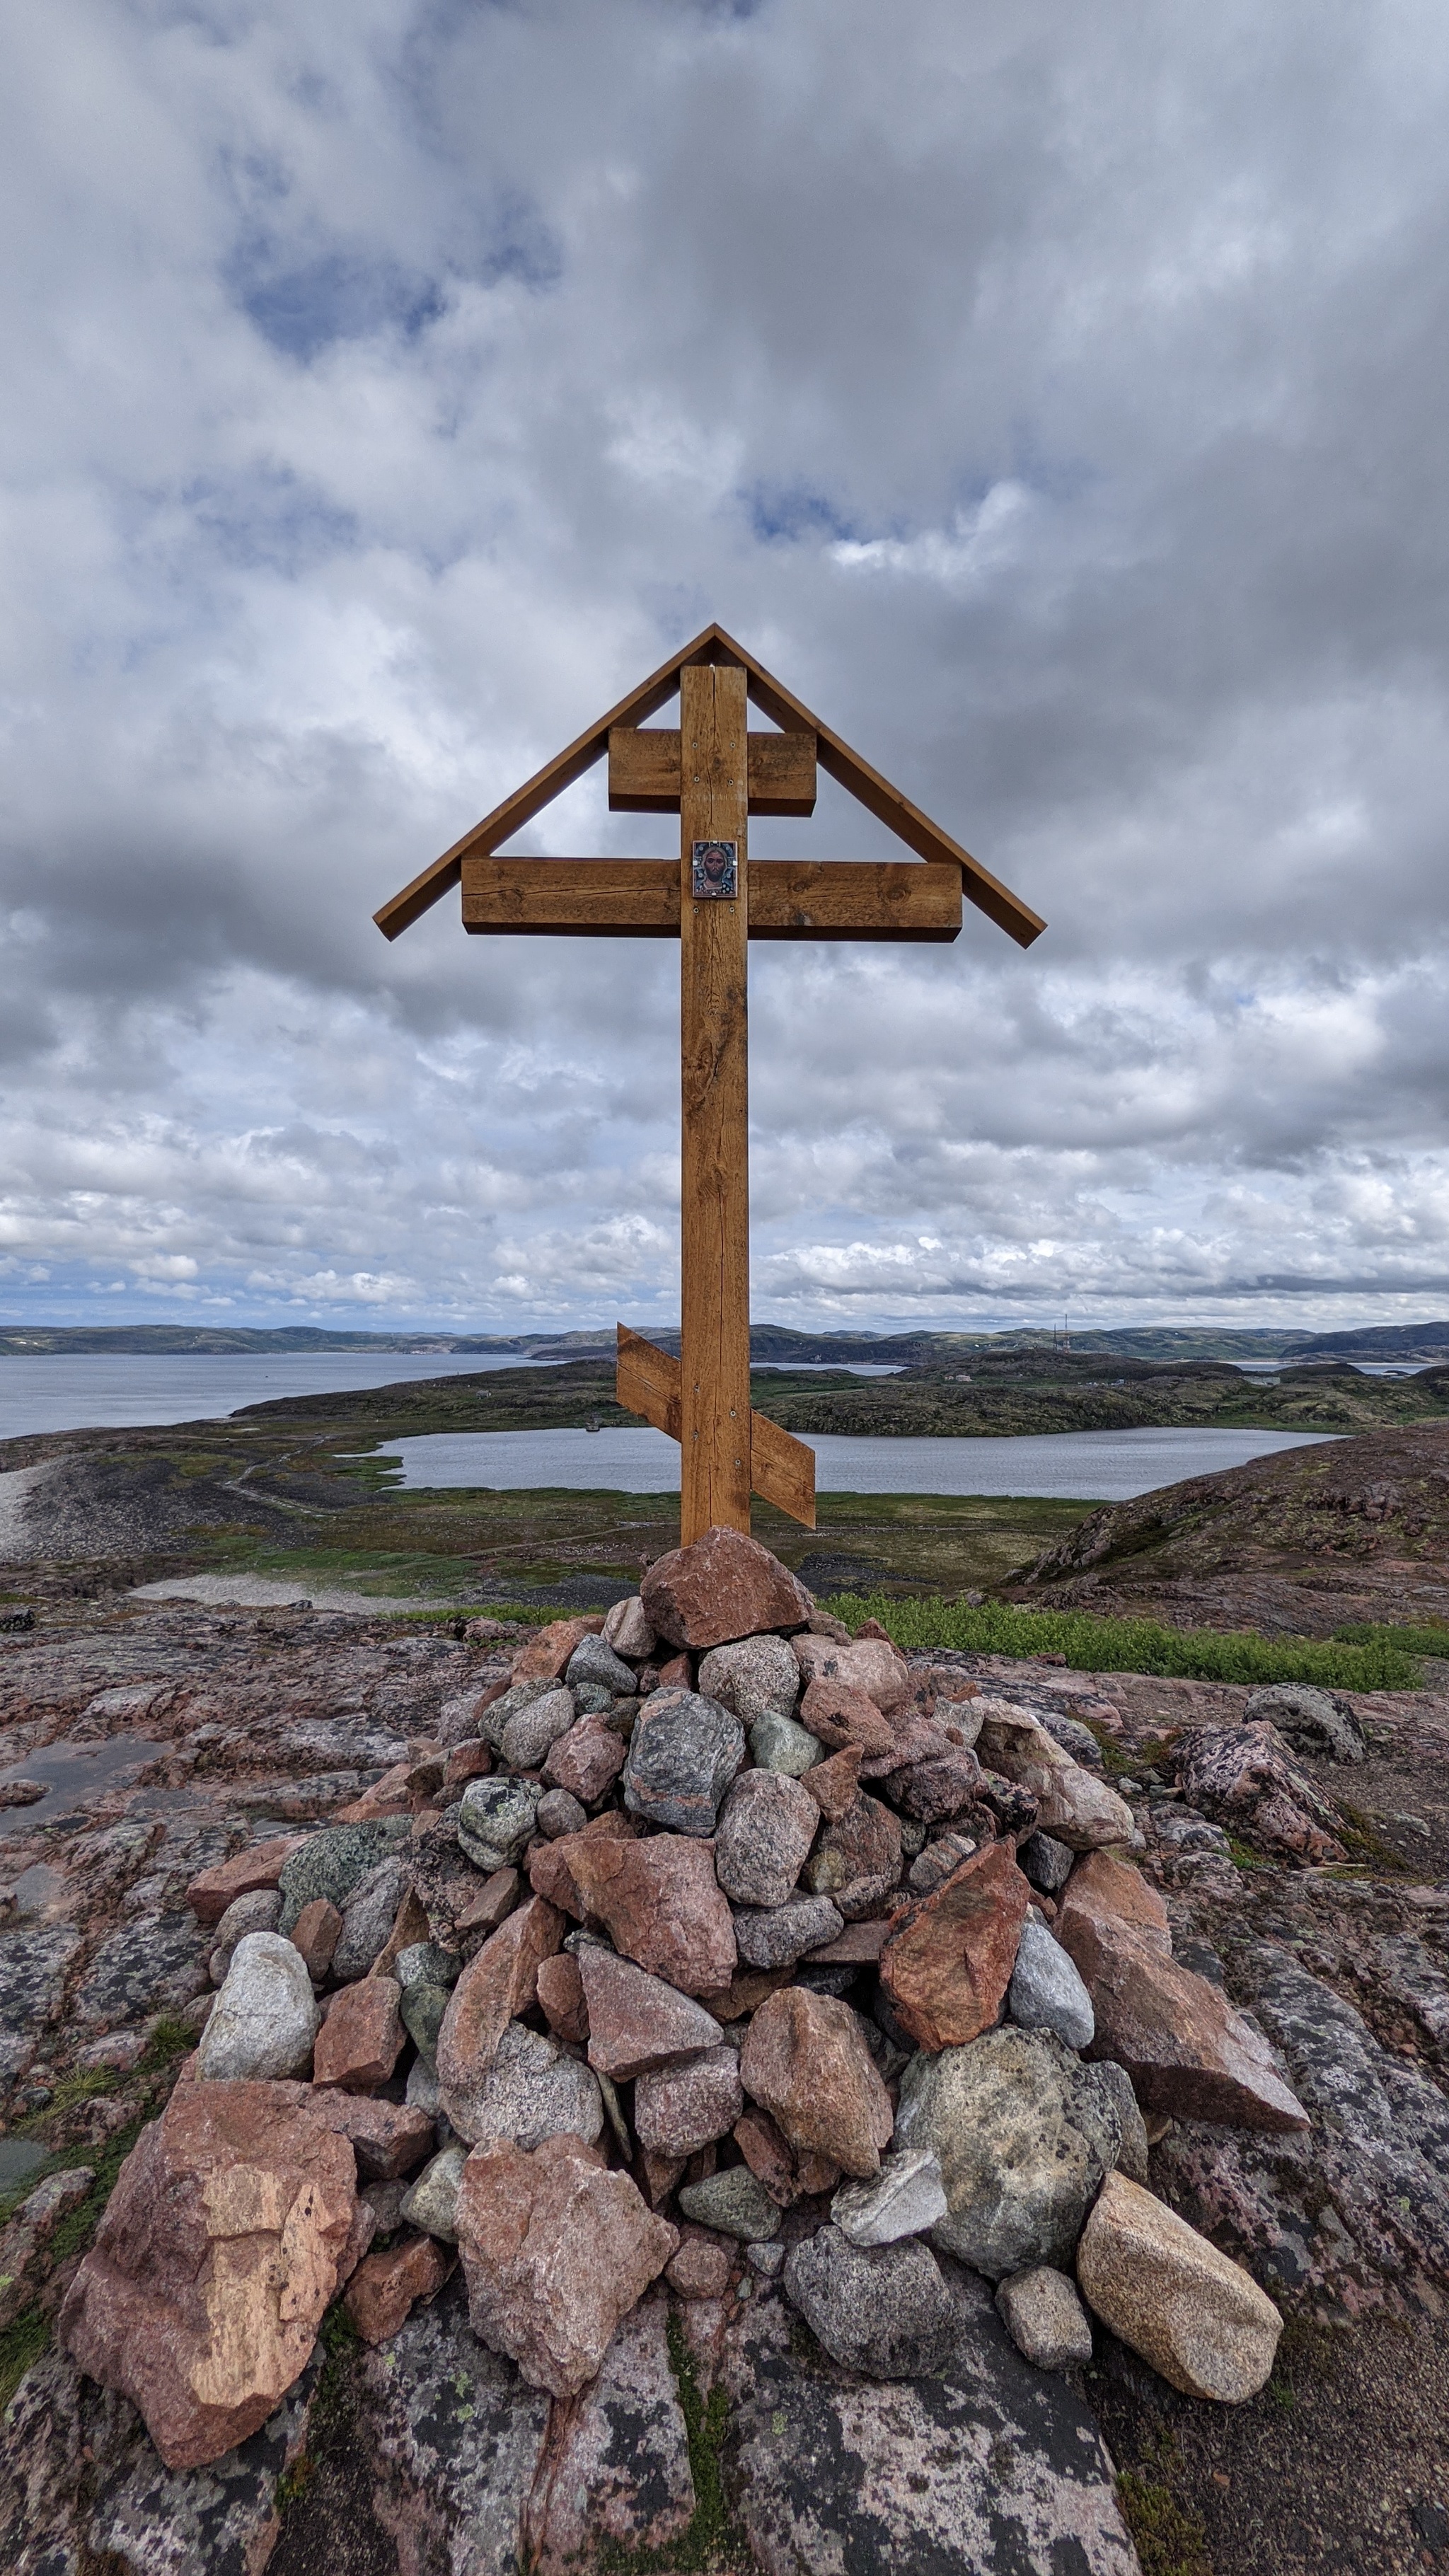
(870, 899)
(782, 1468)
(644, 771)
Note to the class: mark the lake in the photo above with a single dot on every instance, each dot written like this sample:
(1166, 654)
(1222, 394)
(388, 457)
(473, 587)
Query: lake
(95, 1390)
(104, 1390)
(1096, 1466)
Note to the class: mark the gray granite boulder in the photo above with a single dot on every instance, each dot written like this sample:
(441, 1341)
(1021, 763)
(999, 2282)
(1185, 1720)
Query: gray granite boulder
(766, 1827)
(1132, 2153)
(594, 1661)
(1045, 2318)
(156, 1964)
(531, 2090)
(1046, 1992)
(527, 1737)
(33, 1971)
(1312, 1721)
(559, 1813)
(426, 1963)
(493, 1720)
(82, 2486)
(336, 1861)
(1024, 2134)
(265, 2018)
(882, 2309)
(777, 1936)
(780, 1744)
(989, 2469)
(495, 1819)
(683, 1754)
(454, 2443)
(1046, 1862)
(905, 2198)
(255, 1912)
(367, 1919)
(759, 1677)
(733, 2203)
(423, 2008)
(431, 2202)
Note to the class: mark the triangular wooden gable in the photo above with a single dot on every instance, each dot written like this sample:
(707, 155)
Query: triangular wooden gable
(836, 757)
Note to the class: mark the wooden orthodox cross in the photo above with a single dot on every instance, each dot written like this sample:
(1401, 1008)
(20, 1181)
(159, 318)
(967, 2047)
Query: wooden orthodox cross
(714, 773)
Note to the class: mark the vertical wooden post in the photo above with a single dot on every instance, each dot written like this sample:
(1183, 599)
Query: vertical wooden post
(714, 950)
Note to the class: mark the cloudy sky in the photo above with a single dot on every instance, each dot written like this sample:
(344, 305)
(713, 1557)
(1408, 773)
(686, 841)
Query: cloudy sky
(1056, 398)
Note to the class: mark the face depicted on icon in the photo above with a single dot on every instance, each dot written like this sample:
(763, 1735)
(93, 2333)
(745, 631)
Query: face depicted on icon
(716, 869)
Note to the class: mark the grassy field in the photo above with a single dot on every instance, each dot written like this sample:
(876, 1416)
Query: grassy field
(450, 1541)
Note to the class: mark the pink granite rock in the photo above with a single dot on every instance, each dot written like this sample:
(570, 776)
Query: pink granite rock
(545, 1653)
(723, 1586)
(805, 2062)
(660, 1903)
(586, 1761)
(386, 2286)
(1244, 1776)
(359, 2043)
(1190, 2056)
(948, 1960)
(680, 2109)
(499, 1982)
(872, 1665)
(556, 2250)
(637, 2022)
(222, 2245)
(212, 1891)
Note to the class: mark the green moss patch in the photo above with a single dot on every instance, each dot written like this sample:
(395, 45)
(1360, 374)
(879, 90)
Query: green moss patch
(1171, 2538)
(711, 2541)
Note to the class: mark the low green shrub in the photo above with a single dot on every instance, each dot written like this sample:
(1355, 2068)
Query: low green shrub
(1108, 1645)
(1414, 1640)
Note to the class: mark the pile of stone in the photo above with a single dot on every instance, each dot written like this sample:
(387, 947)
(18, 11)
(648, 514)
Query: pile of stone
(708, 1942)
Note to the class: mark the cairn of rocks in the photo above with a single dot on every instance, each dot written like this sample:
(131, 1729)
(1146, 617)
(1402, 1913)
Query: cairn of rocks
(703, 1934)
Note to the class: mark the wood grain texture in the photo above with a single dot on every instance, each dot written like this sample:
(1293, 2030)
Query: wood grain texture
(871, 899)
(646, 1381)
(640, 899)
(714, 1192)
(782, 773)
(605, 898)
(644, 771)
(782, 1468)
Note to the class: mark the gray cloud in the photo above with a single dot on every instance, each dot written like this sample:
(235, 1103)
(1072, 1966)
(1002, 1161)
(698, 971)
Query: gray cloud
(1055, 399)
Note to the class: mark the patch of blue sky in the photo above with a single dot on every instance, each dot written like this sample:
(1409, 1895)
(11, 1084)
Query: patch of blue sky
(789, 514)
(1049, 476)
(271, 519)
(516, 243)
(303, 306)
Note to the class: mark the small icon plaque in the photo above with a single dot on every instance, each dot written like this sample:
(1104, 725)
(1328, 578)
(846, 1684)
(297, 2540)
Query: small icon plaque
(715, 871)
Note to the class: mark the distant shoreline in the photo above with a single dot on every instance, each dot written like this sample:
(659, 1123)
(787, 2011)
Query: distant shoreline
(1424, 1342)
